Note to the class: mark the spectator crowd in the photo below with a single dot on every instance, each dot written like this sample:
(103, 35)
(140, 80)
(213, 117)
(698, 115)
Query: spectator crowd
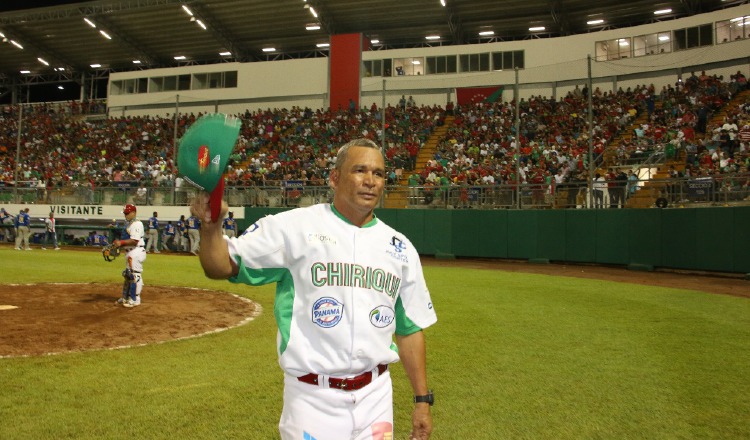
(483, 146)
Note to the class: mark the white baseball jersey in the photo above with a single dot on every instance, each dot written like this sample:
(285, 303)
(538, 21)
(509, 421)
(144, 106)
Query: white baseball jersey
(342, 291)
(133, 230)
(135, 255)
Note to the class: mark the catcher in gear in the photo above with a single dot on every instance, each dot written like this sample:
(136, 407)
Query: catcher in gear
(131, 241)
(110, 252)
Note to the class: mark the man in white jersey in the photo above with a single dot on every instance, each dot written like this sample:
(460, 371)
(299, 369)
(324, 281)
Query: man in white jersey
(131, 241)
(346, 283)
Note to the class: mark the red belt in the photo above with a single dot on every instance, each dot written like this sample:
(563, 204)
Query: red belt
(347, 383)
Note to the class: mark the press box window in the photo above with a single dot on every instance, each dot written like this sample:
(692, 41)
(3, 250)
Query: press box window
(507, 60)
(652, 44)
(697, 36)
(475, 62)
(732, 30)
(438, 65)
(408, 66)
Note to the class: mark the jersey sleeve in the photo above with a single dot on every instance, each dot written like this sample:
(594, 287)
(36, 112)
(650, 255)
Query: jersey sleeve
(135, 231)
(414, 308)
(259, 252)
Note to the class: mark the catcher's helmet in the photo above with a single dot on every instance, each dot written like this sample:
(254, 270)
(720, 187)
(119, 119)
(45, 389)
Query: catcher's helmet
(128, 209)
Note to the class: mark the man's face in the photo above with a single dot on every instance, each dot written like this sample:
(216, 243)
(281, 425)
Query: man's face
(130, 216)
(359, 182)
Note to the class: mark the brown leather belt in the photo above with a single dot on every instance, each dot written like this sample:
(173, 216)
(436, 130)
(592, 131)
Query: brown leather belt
(347, 383)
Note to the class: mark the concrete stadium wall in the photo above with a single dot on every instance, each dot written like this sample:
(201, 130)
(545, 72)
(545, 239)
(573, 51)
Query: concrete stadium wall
(553, 66)
(709, 239)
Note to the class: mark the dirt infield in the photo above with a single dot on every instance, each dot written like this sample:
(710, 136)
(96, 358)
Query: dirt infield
(44, 319)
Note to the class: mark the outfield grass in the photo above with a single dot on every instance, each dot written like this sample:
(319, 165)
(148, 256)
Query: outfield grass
(513, 356)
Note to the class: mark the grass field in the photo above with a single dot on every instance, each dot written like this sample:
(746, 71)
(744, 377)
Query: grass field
(513, 356)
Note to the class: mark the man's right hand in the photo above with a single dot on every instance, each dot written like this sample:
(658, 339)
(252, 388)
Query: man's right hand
(202, 209)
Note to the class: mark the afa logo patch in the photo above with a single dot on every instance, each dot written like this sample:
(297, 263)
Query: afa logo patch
(327, 312)
(382, 316)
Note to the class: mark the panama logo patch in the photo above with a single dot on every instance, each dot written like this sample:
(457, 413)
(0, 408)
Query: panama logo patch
(382, 316)
(203, 155)
(327, 312)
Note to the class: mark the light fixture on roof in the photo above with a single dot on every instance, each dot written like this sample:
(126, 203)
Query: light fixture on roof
(179, 57)
(624, 42)
(375, 41)
(91, 23)
(15, 43)
(96, 66)
(187, 10)
(225, 54)
(442, 3)
(269, 49)
(416, 62)
(136, 61)
(2, 35)
(26, 72)
(61, 87)
(537, 28)
(486, 33)
(59, 69)
(662, 11)
(200, 23)
(312, 11)
(663, 37)
(41, 60)
(323, 44)
(432, 37)
(312, 27)
(105, 35)
(593, 22)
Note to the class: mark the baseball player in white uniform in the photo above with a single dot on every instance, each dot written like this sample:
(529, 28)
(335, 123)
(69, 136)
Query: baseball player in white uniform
(346, 283)
(131, 241)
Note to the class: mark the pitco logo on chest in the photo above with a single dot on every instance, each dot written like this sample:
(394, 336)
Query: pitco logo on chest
(327, 312)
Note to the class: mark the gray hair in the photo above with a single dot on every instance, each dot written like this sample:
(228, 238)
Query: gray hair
(344, 150)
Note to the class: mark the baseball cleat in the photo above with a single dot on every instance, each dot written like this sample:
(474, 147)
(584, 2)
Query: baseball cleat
(130, 304)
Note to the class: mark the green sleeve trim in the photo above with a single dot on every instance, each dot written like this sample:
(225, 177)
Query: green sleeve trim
(404, 325)
(283, 304)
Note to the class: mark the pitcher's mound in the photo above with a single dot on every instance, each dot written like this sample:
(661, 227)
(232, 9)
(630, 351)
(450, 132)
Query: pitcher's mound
(56, 318)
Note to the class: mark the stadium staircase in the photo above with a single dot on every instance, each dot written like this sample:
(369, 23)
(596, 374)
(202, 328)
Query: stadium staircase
(656, 186)
(609, 158)
(717, 119)
(397, 199)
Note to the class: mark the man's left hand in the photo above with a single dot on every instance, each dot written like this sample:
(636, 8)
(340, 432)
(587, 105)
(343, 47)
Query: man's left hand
(421, 422)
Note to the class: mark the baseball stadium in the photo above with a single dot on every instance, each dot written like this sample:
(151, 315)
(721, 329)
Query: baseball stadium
(573, 176)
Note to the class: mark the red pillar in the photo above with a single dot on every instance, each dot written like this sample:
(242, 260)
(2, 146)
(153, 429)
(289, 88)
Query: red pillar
(345, 70)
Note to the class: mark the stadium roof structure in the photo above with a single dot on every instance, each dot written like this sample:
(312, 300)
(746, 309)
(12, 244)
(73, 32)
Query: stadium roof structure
(117, 35)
